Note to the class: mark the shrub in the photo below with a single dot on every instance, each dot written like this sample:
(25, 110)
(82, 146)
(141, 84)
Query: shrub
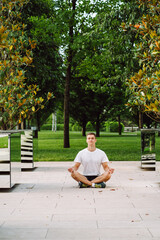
(107, 126)
(46, 126)
(60, 127)
(90, 127)
(114, 126)
(76, 127)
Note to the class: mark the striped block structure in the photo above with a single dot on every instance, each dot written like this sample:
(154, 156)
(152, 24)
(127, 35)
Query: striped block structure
(6, 176)
(27, 162)
(148, 161)
(148, 155)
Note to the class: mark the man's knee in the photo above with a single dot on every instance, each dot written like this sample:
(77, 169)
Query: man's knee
(107, 176)
(74, 174)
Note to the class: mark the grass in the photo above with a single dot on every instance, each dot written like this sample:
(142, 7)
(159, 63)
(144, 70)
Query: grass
(4, 142)
(126, 147)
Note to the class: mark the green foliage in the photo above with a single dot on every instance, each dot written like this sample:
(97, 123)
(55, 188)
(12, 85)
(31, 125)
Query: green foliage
(18, 100)
(90, 127)
(76, 127)
(47, 63)
(38, 8)
(103, 60)
(113, 126)
(144, 84)
(72, 126)
(83, 57)
(60, 127)
(46, 126)
(107, 126)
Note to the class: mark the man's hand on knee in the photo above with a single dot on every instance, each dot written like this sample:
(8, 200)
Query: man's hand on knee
(111, 170)
(71, 170)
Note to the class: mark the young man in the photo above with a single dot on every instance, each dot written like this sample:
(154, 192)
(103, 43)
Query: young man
(91, 159)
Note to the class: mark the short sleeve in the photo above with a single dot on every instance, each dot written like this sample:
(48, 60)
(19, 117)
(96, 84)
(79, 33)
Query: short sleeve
(105, 158)
(78, 158)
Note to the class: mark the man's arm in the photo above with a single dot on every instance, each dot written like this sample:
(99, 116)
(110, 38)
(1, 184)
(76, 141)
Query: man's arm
(75, 167)
(107, 168)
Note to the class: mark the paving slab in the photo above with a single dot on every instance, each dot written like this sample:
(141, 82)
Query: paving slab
(47, 204)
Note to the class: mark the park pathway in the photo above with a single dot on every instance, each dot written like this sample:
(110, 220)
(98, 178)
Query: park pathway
(47, 204)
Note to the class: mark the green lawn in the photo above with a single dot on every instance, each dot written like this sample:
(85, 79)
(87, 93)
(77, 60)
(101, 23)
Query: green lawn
(118, 148)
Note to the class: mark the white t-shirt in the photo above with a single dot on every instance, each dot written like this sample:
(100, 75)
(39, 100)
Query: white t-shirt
(91, 161)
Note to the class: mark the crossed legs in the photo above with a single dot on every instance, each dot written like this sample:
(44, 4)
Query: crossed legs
(80, 178)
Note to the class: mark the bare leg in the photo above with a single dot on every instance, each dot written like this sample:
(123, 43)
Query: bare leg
(102, 178)
(80, 178)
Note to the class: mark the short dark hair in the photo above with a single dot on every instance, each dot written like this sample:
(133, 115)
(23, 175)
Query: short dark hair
(91, 133)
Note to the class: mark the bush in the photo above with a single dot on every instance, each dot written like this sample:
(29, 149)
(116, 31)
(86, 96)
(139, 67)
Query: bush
(46, 126)
(60, 127)
(90, 127)
(114, 127)
(76, 127)
(107, 126)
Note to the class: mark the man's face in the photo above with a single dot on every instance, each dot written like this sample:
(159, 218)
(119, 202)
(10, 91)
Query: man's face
(91, 140)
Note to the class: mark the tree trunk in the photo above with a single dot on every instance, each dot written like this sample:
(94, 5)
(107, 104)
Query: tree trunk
(119, 125)
(98, 127)
(54, 122)
(66, 108)
(68, 78)
(4, 127)
(22, 125)
(84, 130)
(140, 120)
(38, 121)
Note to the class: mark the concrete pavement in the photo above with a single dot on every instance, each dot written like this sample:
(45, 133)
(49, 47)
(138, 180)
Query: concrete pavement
(47, 204)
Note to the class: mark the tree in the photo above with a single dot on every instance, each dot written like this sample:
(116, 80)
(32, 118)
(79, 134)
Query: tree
(68, 74)
(97, 52)
(46, 70)
(74, 20)
(104, 60)
(18, 100)
(86, 105)
(144, 85)
(80, 106)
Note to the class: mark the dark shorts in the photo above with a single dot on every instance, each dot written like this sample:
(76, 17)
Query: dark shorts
(90, 178)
